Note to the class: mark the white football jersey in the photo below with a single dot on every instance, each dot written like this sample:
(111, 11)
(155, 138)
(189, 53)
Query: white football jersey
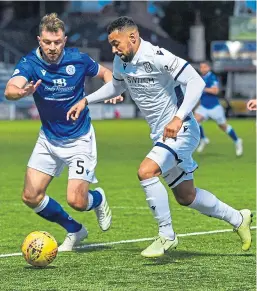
(156, 83)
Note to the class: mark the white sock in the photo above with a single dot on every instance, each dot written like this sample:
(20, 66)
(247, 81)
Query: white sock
(90, 201)
(210, 205)
(42, 204)
(157, 199)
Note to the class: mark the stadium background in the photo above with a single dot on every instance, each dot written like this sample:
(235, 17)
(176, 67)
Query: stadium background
(223, 32)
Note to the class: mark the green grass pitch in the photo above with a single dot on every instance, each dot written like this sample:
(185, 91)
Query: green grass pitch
(201, 262)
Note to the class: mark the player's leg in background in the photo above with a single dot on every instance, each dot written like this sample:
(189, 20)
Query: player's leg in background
(218, 115)
(204, 140)
(228, 129)
(205, 202)
(34, 196)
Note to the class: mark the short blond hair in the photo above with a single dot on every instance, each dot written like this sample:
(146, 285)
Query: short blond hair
(52, 23)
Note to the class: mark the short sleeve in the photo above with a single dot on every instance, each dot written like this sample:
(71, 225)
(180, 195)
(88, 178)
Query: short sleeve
(116, 69)
(214, 81)
(170, 64)
(91, 66)
(23, 69)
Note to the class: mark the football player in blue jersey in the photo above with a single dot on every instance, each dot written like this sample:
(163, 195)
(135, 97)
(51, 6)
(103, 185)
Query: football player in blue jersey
(55, 76)
(210, 108)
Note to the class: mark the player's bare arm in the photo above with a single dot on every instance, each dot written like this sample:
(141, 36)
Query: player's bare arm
(213, 90)
(251, 105)
(106, 75)
(18, 88)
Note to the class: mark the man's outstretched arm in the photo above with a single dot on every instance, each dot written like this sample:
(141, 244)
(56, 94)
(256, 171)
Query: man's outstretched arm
(18, 87)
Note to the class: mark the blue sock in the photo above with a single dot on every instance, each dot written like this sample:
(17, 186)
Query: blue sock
(230, 131)
(53, 211)
(94, 199)
(201, 132)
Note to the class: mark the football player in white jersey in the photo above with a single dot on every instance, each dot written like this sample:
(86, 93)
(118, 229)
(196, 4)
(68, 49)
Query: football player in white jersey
(166, 89)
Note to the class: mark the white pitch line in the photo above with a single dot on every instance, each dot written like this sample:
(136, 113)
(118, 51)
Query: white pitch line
(134, 240)
(130, 207)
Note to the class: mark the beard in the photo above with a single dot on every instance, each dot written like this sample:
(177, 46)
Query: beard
(127, 58)
(50, 58)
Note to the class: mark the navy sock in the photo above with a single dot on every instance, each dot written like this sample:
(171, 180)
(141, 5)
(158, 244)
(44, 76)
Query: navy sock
(201, 132)
(94, 199)
(53, 211)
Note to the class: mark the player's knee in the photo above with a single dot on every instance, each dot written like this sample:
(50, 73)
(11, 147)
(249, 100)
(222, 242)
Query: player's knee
(185, 198)
(77, 202)
(144, 173)
(32, 198)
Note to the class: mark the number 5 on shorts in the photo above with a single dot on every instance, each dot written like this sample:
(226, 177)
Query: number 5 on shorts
(80, 166)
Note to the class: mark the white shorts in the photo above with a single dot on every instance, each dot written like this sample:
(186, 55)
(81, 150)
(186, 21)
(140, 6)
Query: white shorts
(80, 155)
(174, 157)
(217, 113)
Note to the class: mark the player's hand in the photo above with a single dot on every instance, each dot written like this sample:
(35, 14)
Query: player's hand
(251, 105)
(75, 110)
(114, 100)
(172, 128)
(29, 89)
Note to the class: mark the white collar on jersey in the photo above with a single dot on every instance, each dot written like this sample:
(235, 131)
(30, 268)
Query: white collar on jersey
(40, 57)
(139, 52)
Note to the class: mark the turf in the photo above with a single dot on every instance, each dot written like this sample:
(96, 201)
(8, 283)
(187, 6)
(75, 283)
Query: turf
(203, 262)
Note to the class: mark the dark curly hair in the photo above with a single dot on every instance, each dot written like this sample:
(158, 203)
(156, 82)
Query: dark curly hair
(121, 23)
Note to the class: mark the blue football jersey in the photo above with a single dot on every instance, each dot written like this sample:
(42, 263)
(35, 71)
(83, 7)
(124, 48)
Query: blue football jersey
(62, 86)
(210, 100)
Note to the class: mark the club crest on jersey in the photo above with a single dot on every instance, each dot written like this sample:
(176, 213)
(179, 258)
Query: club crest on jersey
(148, 67)
(70, 70)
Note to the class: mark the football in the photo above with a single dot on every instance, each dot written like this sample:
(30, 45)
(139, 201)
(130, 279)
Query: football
(39, 248)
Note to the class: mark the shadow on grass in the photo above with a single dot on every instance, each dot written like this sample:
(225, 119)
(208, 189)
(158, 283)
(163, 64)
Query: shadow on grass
(39, 268)
(173, 257)
(91, 248)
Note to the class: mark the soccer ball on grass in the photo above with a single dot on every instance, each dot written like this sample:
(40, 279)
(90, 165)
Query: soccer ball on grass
(39, 248)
